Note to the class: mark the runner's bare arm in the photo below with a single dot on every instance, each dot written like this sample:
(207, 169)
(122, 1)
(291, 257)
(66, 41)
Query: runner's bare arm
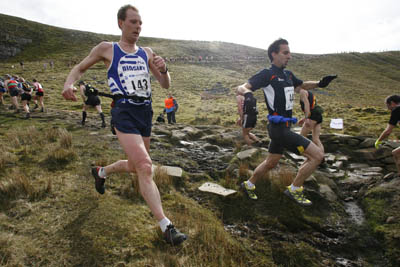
(158, 68)
(244, 88)
(82, 91)
(304, 99)
(308, 85)
(386, 132)
(101, 52)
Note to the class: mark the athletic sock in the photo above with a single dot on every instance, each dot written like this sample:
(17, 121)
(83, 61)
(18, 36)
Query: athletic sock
(250, 184)
(102, 117)
(83, 117)
(294, 188)
(102, 173)
(164, 223)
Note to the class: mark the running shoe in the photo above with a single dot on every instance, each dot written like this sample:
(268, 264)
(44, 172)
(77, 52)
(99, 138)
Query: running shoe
(28, 115)
(249, 191)
(173, 236)
(103, 125)
(298, 196)
(98, 181)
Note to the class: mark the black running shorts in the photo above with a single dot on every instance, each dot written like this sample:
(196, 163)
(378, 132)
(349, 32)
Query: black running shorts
(283, 138)
(249, 120)
(93, 101)
(134, 119)
(316, 114)
(26, 97)
(14, 92)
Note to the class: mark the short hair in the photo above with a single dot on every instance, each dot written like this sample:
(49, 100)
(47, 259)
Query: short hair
(122, 11)
(275, 47)
(393, 98)
(81, 83)
(34, 80)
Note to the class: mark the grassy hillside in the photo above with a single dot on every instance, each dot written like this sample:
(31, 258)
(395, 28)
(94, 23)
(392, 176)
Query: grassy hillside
(365, 79)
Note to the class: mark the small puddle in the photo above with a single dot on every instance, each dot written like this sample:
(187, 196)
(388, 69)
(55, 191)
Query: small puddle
(355, 212)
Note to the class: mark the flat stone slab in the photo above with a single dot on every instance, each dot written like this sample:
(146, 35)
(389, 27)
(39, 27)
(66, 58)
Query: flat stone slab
(216, 189)
(170, 170)
(246, 154)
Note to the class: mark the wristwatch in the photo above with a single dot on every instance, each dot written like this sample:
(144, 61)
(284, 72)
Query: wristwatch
(164, 72)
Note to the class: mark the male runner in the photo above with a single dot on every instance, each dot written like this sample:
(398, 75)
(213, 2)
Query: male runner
(278, 86)
(12, 87)
(129, 80)
(247, 119)
(39, 95)
(312, 117)
(393, 104)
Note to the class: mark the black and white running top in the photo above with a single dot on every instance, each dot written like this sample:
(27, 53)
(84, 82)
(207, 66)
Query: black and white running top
(278, 87)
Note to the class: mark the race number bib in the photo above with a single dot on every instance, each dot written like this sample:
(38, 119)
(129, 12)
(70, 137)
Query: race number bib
(138, 85)
(134, 76)
(289, 95)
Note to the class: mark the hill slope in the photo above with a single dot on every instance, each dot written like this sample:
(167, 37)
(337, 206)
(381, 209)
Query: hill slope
(365, 79)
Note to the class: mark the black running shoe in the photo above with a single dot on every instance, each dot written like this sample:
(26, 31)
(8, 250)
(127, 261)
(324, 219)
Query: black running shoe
(98, 181)
(173, 236)
(103, 125)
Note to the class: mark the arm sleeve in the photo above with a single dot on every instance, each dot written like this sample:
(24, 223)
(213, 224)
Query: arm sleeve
(259, 80)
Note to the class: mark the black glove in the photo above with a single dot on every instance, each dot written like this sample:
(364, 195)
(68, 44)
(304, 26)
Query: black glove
(250, 104)
(324, 82)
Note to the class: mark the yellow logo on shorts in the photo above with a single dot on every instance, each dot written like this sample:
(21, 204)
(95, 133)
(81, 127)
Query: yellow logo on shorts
(300, 149)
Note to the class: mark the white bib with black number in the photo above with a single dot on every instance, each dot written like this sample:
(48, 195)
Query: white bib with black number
(289, 95)
(134, 76)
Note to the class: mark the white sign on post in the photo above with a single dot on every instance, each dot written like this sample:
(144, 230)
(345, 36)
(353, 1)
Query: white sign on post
(337, 124)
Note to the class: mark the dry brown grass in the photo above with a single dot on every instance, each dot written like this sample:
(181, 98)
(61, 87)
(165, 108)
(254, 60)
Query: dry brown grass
(244, 171)
(18, 185)
(6, 248)
(282, 176)
(65, 138)
(6, 158)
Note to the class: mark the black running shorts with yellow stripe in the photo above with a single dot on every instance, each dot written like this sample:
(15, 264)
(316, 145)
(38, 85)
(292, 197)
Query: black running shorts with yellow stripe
(283, 138)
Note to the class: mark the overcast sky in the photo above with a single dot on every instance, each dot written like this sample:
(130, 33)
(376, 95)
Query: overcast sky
(310, 26)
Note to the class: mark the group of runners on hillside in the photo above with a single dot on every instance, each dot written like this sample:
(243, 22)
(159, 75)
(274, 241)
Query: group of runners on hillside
(21, 92)
(128, 74)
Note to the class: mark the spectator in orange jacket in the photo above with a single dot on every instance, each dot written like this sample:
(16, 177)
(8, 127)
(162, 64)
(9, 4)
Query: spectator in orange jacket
(170, 109)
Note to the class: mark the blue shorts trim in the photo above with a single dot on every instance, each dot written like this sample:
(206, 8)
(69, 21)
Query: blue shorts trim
(132, 119)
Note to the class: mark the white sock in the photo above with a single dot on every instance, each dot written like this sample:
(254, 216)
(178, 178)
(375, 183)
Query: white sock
(164, 223)
(102, 173)
(294, 188)
(250, 184)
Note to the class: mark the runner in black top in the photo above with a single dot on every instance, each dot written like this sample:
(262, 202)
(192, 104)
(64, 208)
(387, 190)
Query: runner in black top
(90, 98)
(393, 104)
(278, 86)
(26, 96)
(312, 117)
